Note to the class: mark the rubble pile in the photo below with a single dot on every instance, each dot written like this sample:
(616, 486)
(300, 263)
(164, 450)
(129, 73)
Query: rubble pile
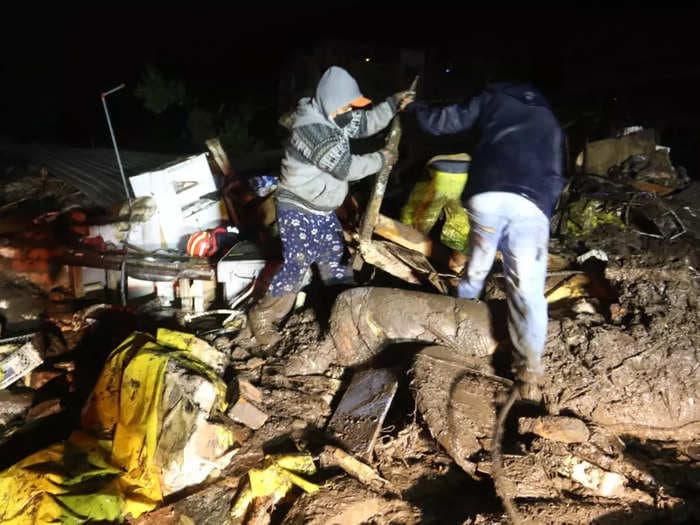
(132, 389)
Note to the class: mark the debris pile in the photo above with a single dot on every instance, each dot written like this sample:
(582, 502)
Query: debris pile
(132, 389)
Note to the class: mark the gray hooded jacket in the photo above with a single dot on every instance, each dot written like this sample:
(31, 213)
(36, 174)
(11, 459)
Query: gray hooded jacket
(317, 163)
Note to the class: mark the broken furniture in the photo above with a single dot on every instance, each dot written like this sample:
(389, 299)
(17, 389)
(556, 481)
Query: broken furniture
(38, 264)
(187, 201)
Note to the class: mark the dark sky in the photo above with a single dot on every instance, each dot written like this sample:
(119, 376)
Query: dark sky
(55, 64)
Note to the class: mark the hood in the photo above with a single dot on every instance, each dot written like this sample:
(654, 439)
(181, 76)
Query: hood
(525, 93)
(336, 89)
(307, 112)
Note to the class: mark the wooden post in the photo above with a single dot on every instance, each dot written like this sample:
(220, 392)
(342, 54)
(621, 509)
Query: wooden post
(222, 161)
(369, 220)
(371, 216)
(75, 275)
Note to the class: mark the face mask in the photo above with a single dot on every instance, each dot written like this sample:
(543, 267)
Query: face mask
(343, 119)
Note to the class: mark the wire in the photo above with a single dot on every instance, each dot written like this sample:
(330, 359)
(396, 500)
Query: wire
(497, 458)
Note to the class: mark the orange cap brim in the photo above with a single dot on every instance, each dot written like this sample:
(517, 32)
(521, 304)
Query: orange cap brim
(360, 102)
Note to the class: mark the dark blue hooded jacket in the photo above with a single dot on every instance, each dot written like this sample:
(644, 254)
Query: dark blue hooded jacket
(521, 145)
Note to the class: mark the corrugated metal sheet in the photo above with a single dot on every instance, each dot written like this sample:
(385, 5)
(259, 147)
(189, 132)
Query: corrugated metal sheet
(92, 171)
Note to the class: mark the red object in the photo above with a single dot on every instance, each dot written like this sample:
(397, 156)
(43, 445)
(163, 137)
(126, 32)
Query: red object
(95, 242)
(204, 242)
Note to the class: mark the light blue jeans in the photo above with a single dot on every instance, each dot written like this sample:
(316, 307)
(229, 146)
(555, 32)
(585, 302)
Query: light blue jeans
(517, 227)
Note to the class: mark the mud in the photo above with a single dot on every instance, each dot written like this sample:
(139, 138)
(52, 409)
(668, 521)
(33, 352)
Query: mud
(629, 372)
(365, 320)
(450, 393)
(640, 377)
(344, 501)
(633, 379)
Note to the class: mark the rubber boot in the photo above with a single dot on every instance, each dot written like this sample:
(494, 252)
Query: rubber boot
(265, 314)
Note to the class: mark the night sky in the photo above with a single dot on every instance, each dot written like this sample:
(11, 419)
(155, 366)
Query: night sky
(632, 65)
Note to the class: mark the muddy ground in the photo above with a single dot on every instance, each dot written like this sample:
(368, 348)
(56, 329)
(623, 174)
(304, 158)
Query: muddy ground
(628, 367)
(624, 359)
(625, 362)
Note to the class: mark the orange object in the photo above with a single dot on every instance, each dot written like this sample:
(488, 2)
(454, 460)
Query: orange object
(360, 102)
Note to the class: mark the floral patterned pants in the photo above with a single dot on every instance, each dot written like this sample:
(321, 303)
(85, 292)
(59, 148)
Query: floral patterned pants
(307, 239)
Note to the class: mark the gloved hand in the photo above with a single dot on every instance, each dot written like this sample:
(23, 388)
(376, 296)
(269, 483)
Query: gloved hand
(286, 120)
(390, 157)
(403, 99)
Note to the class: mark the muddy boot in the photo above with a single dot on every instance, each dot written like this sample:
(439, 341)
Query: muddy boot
(529, 384)
(264, 315)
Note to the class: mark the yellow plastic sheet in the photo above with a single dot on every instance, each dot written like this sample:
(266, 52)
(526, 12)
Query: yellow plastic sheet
(275, 480)
(107, 469)
(585, 215)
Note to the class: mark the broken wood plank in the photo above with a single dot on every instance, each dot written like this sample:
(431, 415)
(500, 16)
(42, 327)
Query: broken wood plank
(7, 207)
(248, 391)
(418, 263)
(361, 412)
(573, 287)
(376, 254)
(334, 456)
(410, 238)
(77, 287)
(44, 409)
(650, 187)
(243, 411)
(39, 378)
(404, 235)
(207, 505)
(557, 428)
(219, 154)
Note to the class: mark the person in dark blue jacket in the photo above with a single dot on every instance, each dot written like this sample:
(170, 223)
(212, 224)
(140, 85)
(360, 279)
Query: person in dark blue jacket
(514, 183)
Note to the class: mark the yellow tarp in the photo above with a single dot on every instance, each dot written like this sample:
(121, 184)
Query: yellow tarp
(106, 470)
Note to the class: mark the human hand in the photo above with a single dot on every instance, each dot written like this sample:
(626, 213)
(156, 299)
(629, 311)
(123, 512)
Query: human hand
(404, 98)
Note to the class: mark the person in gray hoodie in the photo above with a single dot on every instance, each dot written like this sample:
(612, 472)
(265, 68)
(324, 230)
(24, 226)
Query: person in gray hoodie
(317, 168)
